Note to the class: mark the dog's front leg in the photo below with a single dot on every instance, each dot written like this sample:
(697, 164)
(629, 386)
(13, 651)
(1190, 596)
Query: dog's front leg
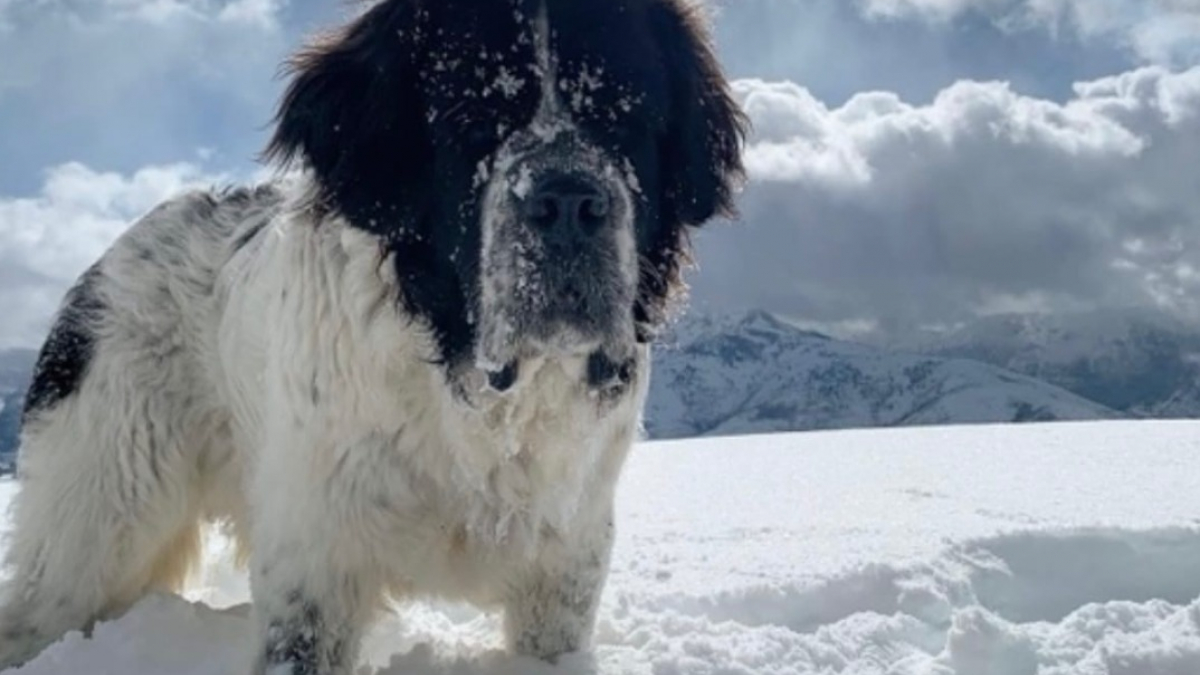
(313, 596)
(305, 634)
(314, 581)
(551, 608)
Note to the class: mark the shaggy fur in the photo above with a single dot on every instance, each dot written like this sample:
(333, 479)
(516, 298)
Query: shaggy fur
(412, 369)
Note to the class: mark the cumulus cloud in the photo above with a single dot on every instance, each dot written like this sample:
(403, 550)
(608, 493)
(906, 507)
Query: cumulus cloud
(1159, 31)
(883, 213)
(47, 240)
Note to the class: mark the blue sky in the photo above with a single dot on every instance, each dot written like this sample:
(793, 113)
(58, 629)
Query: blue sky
(928, 201)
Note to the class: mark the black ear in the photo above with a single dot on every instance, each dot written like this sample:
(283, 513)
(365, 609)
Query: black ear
(351, 114)
(702, 148)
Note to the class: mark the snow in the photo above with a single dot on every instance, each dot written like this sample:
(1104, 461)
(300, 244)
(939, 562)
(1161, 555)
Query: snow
(990, 550)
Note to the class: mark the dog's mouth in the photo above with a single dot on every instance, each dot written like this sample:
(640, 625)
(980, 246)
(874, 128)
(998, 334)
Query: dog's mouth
(603, 375)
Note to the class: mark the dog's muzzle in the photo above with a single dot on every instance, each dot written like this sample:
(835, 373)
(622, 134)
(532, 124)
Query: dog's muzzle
(559, 260)
(573, 217)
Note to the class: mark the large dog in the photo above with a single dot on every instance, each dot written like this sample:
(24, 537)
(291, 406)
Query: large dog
(415, 367)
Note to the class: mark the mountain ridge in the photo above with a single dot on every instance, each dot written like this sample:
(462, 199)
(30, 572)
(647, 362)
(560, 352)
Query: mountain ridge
(758, 373)
(1141, 362)
(720, 374)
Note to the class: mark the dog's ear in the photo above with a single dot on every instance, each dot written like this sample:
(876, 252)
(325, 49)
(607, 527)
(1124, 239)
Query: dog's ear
(350, 112)
(702, 147)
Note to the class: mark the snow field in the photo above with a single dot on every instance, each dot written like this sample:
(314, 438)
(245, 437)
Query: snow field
(992, 550)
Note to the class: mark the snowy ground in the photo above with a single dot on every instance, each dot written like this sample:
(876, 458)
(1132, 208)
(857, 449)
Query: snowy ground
(1001, 550)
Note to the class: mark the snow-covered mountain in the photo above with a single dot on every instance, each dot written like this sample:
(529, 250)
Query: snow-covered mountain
(1055, 549)
(1139, 361)
(719, 375)
(723, 375)
(15, 367)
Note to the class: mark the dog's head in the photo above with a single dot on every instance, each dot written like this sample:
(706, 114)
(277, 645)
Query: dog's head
(532, 166)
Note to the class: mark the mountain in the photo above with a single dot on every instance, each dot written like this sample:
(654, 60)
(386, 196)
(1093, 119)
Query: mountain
(1139, 361)
(15, 368)
(723, 375)
(719, 376)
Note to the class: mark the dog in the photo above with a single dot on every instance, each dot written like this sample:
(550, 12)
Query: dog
(409, 365)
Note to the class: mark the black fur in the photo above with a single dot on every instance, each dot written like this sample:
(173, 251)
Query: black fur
(263, 199)
(303, 641)
(393, 115)
(64, 359)
(702, 151)
(248, 235)
(505, 378)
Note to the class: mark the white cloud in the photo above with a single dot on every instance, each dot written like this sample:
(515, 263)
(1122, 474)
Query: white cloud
(1158, 31)
(797, 135)
(46, 241)
(940, 10)
(262, 12)
(982, 199)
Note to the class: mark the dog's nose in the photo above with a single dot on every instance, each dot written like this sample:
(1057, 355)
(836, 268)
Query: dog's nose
(563, 204)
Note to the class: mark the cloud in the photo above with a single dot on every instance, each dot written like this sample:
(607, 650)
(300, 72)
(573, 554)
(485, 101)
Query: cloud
(127, 83)
(47, 240)
(264, 12)
(261, 12)
(885, 213)
(1158, 31)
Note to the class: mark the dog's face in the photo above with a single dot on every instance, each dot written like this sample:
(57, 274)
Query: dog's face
(531, 165)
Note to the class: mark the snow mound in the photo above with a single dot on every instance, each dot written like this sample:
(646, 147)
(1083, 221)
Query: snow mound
(1035, 550)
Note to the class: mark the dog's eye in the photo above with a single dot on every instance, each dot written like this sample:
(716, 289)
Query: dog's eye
(468, 126)
(475, 135)
(479, 134)
(473, 127)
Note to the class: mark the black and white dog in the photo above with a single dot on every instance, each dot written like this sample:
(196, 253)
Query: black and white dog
(415, 367)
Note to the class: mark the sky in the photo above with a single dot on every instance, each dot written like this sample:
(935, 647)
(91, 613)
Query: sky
(913, 163)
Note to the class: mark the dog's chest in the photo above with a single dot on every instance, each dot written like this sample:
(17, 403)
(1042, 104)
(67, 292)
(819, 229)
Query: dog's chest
(506, 466)
(492, 486)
